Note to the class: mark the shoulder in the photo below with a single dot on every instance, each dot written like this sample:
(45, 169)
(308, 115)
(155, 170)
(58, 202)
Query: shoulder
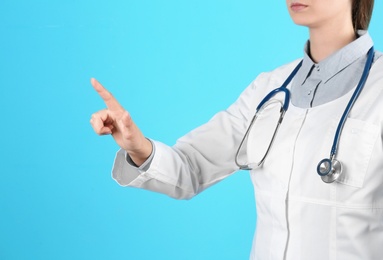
(376, 72)
(378, 62)
(286, 68)
(278, 75)
(378, 55)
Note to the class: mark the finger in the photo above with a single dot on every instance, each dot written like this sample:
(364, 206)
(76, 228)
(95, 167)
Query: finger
(104, 131)
(100, 129)
(108, 98)
(101, 123)
(125, 125)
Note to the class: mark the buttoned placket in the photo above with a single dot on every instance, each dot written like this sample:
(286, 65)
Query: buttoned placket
(312, 82)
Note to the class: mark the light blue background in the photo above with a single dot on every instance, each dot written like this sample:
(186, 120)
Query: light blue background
(172, 64)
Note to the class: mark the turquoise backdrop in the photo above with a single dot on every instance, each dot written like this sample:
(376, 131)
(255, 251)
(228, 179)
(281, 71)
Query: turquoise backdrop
(172, 64)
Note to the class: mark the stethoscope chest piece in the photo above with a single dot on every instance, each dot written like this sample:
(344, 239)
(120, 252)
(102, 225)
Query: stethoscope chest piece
(329, 170)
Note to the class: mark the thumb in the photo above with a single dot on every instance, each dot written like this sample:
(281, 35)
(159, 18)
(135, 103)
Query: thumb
(131, 135)
(126, 120)
(125, 124)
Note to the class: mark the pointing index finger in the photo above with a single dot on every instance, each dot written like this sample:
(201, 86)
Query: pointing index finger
(108, 98)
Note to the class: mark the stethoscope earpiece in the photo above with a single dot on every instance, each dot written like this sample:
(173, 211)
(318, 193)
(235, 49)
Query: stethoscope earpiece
(329, 170)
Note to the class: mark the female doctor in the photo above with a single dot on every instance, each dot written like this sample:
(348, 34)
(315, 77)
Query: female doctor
(318, 175)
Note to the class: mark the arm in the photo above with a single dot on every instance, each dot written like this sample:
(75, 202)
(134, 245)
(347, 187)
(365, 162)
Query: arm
(198, 160)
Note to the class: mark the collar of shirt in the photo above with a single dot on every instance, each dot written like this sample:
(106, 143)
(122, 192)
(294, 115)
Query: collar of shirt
(337, 61)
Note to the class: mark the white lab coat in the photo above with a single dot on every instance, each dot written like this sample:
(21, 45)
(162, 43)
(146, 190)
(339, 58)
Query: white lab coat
(298, 216)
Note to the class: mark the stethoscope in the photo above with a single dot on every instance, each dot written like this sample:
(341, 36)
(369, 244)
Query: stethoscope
(329, 168)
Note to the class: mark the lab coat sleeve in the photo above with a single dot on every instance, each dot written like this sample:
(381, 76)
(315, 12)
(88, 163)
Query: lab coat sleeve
(197, 160)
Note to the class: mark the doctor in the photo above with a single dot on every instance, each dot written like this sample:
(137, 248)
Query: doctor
(299, 215)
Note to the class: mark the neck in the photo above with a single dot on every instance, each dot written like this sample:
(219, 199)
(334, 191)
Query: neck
(325, 41)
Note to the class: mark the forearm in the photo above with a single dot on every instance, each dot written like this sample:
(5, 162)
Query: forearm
(198, 160)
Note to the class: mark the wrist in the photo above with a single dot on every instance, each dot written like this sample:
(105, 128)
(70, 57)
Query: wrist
(141, 155)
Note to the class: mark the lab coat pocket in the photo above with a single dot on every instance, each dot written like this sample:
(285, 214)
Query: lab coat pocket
(355, 149)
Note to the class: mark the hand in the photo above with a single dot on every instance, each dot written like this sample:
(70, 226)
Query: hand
(115, 120)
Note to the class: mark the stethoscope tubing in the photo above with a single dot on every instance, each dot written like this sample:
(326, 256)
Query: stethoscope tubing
(284, 108)
(282, 88)
(350, 104)
(330, 168)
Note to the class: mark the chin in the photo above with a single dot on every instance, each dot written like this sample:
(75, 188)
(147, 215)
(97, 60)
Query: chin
(302, 21)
